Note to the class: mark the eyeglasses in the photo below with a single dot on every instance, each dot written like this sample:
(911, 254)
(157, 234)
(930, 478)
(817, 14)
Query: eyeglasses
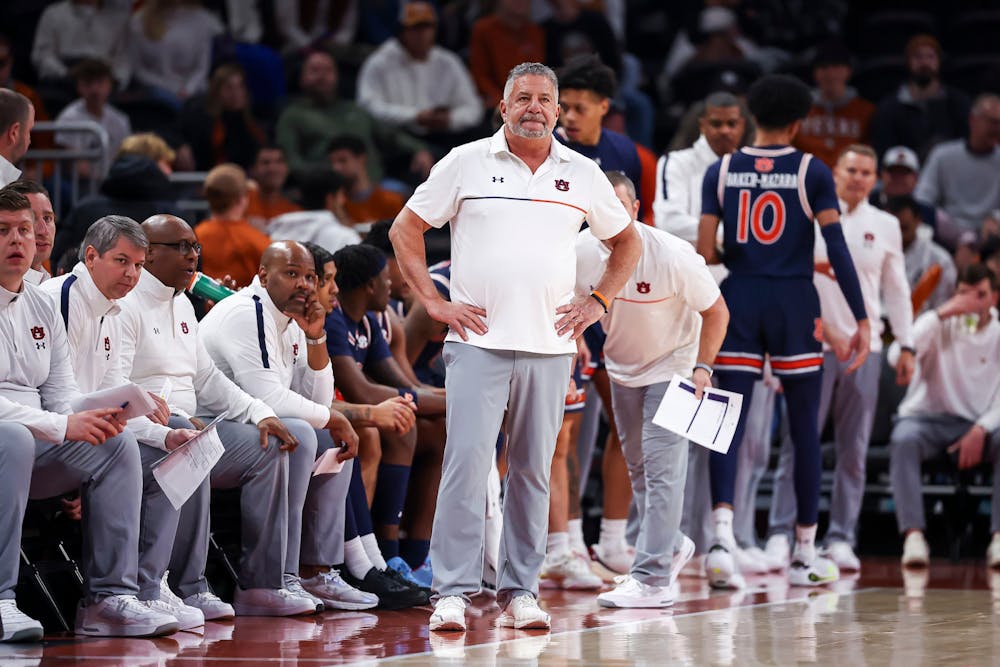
(183, 247)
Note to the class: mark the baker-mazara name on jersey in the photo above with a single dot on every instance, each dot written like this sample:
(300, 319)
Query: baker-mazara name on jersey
(767, 181)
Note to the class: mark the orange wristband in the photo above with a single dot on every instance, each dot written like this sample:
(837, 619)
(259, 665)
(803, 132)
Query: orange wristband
(601, 299)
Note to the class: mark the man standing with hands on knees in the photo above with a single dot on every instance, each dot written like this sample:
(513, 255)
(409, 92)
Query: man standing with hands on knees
(516, 202)
(670, 319)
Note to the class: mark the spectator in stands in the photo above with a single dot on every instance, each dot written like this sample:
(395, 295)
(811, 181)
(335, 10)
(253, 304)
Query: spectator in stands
(573, 30)
(324, 193)
(586, 88)
(715, 38)
(230, 246)
(921, 255)
(220, 126)
(898, 178)
(316, 24)
(137, 186)
(366, 202)
(73, 30)
(500, 41)
(961, 176)
(307, 125)
(49, 450)
(170, 48)
(839, 117)
(17, 117)
(45, 228)
(8, 81)
(989, 253)
(677, 207)
(413, 84)
(953, 404)
(266, 197)
(924, 111)
(93, 85)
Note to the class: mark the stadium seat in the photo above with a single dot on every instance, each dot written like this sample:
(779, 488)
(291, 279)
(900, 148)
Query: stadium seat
(974, 33)
(887, 32)
(877, 77)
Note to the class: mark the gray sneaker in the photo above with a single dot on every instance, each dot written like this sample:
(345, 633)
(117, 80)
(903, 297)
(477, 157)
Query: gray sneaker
(294, 586)
(338, 594)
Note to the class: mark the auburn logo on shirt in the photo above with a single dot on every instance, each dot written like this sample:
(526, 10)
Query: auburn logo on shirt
(869, 239)
(38, 333)
(107, 344)
(763, 164)
(184, 327)
(295, 349)
(562, 185)
(642, 287)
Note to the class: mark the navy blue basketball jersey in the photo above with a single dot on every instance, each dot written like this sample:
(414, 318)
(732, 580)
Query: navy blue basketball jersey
(429, 367)
(767, 199)
(363, 341)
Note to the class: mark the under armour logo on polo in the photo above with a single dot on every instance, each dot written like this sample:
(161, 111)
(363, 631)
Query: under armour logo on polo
(498, 179)
(562, 185)
(642, 288)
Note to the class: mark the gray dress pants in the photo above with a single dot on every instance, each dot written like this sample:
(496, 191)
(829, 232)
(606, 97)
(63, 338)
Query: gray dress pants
(481, 384)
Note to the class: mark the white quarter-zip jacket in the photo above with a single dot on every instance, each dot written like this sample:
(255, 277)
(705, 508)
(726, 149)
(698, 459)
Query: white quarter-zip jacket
(161, 341)
(679, 174)
(36, 376)
(264, 352)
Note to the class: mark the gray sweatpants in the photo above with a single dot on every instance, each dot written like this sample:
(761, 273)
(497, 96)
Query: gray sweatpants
(853, 399)
(754, 454)
(481, 384)
(916, 439)
(109, 477)
(262, 476)
(324, 512)
(657, 467)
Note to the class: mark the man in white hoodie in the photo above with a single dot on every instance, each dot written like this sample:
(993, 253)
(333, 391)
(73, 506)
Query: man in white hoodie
(324, 193)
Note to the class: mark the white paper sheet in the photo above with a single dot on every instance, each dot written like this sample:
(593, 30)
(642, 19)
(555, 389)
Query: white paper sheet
(135, 399)
(710, 422)
(181, 471)
(327, 462)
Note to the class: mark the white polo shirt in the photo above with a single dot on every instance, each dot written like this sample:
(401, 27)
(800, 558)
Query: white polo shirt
(160, 340)
(36, 376)
(876, 246)
(653, 326)
(513, 235)
(264, 352)
(37, 276)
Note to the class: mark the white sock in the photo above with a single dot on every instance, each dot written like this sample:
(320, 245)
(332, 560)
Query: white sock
(576, 543)
(356, 558)
(805, 544)
(557, 544)
(374, 553)
(723, 518)
(612, 538)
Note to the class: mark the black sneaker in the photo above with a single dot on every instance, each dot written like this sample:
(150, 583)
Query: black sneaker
(401, 578)
(391, 593)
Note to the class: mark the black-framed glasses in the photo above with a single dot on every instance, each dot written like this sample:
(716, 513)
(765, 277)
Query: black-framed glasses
(183, 247)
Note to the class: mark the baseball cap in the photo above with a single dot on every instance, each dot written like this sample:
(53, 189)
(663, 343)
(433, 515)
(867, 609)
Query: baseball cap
(901, 156)
(416, 13)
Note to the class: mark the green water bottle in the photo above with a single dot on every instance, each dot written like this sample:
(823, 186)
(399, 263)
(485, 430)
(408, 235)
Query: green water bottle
(208, 288)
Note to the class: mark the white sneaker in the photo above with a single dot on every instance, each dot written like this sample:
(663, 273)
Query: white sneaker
(695, 568)
(778, 551)
(211, 606)
(993, 552)
(681, 557)
(746, 563)
(618, 561)
(16, 626)
(189, 618)
(843, 555)
(720, 567)
(449, 614)
(271, 602)
(821, 571)
(632, 593)
(123, 616)
(523, 613)
(337, 593)
(569, 571)
(293, 584)
(915, 550)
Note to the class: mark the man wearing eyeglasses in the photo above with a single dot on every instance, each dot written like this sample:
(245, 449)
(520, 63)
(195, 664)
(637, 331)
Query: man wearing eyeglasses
(232, 246)
(162, 347)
